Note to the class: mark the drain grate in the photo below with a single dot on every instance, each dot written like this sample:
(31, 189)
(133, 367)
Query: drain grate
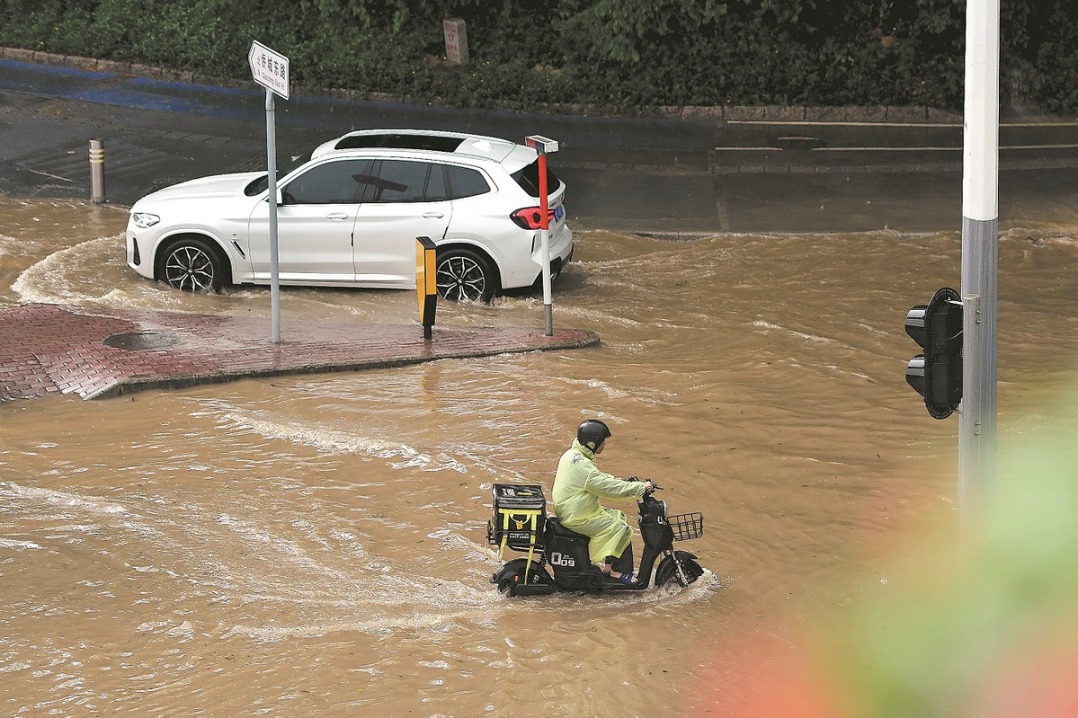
(141, 340)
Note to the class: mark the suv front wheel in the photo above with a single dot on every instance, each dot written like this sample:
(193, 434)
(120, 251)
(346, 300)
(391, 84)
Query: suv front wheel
(193, 265)
(465, 274)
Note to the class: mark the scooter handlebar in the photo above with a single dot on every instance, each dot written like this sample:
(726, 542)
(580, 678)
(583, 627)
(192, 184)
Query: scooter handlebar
(654, 486)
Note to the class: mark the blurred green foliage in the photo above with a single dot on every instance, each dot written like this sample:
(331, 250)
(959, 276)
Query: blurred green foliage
(982, 618)
(617, 54)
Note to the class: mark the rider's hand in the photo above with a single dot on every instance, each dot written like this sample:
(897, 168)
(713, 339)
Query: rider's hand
(648, 486)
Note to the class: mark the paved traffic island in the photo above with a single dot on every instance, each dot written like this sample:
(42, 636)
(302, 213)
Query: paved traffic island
(51, 350)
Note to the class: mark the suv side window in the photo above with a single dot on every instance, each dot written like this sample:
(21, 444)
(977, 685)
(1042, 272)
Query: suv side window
(328, 183)
(399, 181)
(436, 184)
(415, 181)
(465, 182)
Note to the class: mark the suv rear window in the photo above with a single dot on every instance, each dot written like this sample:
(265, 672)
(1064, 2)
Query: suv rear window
(402, 142)
(528, 179)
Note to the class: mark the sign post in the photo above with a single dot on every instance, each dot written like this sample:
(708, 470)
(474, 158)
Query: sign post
(543, 146)
(270, 69)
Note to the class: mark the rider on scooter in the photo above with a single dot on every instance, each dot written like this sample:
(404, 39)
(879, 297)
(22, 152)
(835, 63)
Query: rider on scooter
(578, 486)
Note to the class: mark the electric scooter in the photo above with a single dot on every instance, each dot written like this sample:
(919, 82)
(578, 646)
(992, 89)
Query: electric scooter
(558, 559)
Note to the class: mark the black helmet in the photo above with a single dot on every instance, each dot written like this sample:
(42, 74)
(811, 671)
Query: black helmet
(592, 433)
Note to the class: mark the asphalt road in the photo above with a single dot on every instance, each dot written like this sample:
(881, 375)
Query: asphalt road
(758, 170)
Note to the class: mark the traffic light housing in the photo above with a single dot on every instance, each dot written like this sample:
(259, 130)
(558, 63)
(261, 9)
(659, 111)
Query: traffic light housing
(937, 373)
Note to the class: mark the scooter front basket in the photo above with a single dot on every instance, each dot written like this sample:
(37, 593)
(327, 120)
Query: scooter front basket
(687, 526)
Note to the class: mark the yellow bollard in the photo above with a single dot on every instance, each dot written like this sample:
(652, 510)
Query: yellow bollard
(426, 282)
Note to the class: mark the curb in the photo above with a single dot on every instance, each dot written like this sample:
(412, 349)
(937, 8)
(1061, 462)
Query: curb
(51, 350)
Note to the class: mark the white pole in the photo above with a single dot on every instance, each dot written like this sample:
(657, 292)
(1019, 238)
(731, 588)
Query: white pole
(271, 165)
(980, 257)
(548, 301)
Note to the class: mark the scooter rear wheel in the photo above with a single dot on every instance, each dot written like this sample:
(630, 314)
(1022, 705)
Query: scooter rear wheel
(509, 583)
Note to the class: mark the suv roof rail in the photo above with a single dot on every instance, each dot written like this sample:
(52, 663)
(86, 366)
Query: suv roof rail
(403, 141)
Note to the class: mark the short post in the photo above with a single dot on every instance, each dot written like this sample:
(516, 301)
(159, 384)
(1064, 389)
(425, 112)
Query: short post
(97, 171)
(543, 146)
(426, 282)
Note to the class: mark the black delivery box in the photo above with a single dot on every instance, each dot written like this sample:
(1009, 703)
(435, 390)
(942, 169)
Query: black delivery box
(519, 516)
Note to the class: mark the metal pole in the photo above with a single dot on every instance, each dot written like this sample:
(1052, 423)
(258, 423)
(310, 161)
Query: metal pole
(271, 165)
(97, 171)
(980, 259)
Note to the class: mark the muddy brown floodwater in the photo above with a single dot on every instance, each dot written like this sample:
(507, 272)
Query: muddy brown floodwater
(316, 545)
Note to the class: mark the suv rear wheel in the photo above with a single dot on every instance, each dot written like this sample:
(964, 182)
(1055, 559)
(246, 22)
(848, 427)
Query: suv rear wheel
(465, 274)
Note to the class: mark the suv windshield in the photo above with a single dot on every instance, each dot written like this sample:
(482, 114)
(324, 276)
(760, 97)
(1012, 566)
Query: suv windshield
(259, 184)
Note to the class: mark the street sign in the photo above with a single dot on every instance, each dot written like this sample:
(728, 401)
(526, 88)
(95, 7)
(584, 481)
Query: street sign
(542, 145)
(269, 68)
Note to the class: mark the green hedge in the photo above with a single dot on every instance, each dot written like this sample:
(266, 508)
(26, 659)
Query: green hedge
(616, 53)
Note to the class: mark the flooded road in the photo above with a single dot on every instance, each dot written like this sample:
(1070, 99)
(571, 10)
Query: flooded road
(316, 545)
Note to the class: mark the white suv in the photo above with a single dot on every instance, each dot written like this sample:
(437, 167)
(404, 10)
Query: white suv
(349, 216)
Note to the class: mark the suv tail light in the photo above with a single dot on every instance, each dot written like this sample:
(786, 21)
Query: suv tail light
(531, 217)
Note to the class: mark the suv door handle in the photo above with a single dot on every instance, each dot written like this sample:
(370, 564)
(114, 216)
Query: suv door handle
(338, 216)
(433, 215)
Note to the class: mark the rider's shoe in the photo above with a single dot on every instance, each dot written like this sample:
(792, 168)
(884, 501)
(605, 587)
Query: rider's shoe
(626, 578)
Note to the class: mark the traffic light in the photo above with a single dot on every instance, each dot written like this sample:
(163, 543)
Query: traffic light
(937, 373)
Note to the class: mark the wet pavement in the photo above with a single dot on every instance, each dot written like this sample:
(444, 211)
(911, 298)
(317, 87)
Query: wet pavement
(50, 350)
(691, 172)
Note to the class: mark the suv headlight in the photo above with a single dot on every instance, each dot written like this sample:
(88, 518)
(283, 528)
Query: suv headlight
(143, 220)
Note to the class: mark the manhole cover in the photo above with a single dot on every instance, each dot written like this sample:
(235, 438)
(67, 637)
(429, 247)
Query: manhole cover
(141, 340)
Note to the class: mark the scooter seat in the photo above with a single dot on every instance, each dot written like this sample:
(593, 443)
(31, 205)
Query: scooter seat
(555, 526)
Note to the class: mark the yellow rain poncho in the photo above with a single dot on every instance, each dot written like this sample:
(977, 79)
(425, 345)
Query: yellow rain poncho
(578, 486)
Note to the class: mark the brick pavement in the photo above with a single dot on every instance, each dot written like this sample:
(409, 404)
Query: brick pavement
(52, 350)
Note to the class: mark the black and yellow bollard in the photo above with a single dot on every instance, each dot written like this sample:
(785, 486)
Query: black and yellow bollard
(426, 282)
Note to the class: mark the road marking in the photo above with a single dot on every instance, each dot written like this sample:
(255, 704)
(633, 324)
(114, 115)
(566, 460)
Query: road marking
(889, 149)
(49, 175)
(841, 123)
(722, 212)
(1071, 146)
(1054, 123)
